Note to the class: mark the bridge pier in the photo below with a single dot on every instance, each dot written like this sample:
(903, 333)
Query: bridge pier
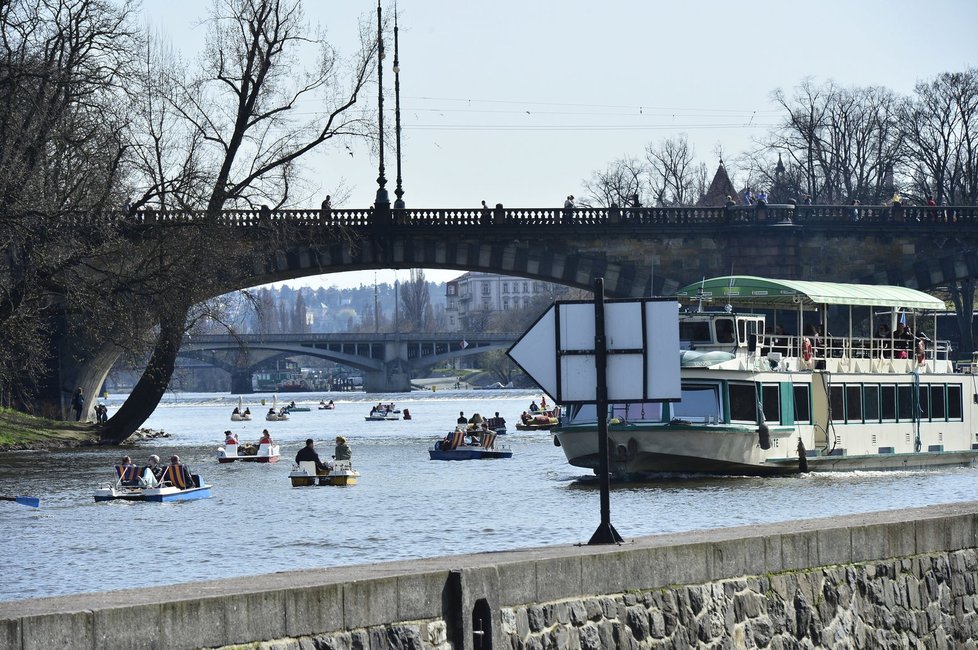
(242, 381)
(392, 378)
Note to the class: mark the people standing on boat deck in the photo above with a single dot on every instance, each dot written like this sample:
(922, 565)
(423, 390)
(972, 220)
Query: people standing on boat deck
(176, 468)
(230, 438)
(568, 216)
(266, 438)
(342, 450)
(461, 418)
(308, 453)
(78, 403)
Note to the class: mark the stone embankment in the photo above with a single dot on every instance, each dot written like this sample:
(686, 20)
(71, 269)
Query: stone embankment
(890, 579)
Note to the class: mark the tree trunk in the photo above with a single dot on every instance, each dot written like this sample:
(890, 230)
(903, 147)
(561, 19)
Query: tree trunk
(149, 390)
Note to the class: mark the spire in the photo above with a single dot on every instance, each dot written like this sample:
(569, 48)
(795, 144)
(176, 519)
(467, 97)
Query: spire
(398, 191)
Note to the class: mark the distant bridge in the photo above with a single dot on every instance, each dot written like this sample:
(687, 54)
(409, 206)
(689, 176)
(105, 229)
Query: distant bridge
(387, 360)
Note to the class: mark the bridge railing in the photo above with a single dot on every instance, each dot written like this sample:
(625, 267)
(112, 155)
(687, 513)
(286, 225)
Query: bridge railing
(780, 214)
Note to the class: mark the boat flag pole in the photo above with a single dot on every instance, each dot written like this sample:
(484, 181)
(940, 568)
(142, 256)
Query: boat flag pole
(606, 533)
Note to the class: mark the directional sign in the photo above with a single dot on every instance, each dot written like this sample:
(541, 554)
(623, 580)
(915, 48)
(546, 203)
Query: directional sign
(642, 343)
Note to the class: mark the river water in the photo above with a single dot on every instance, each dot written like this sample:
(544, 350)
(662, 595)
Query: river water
(405, 505)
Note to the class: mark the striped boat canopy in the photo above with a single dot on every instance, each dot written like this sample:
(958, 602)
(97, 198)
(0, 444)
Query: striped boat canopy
(765, 293)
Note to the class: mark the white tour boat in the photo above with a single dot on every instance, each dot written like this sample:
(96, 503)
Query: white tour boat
(758, 401)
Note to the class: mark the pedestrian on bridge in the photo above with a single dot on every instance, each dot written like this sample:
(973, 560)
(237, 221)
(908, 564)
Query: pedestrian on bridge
(568, 210)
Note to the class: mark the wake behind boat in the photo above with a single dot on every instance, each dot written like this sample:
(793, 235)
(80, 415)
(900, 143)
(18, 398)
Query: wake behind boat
(760, 403)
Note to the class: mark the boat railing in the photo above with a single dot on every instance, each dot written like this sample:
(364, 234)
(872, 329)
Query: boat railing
(840, 347)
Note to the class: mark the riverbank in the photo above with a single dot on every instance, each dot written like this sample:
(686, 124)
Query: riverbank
(21, 431)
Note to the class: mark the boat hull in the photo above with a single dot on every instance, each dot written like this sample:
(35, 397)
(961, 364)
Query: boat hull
(726, 450)
(155, 495)
(240, 418)
(468, 454)
(302, 479)
(248, 459)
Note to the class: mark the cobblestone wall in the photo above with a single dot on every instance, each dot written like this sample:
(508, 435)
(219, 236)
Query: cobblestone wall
(925, 601)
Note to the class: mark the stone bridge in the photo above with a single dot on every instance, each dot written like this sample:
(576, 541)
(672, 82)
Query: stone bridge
(638, 251)
(387, 360)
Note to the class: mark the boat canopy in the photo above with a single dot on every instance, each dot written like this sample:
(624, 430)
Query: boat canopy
(766, 293)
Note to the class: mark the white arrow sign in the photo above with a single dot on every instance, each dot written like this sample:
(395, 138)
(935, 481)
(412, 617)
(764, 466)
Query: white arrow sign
(642, 343)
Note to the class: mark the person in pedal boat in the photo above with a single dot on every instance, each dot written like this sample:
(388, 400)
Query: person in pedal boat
(308, 453)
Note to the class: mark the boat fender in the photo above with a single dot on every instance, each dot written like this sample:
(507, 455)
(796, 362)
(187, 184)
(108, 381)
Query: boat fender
(921, 353)
(764, 435)
(806, 349)
(802, 457)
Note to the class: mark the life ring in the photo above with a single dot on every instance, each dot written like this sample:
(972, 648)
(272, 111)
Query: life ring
(806, 349)
(921, 353)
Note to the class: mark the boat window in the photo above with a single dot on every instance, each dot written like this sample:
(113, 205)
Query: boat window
(871, 403)
(803, 410)
(905, 403)
(924, 395)
(694, 332)
(954, 402)
(699, 403)
(642, 411)
(748, 328)
(725, 330)
(937, 403)
(771, 399)
(854, 403)
(743, 402)
(837, 403)
(582, 413)
(888, 403)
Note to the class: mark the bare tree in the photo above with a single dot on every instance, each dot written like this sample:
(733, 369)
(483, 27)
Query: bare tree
(62, 63)
(940, 126)
(671, 171)
(622, 180)
(841, 141)
(244, 135)
(416, 312)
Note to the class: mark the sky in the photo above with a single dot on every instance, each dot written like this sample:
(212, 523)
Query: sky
(520, 101)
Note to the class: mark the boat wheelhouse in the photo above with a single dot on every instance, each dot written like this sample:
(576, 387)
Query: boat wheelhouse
(758, 400)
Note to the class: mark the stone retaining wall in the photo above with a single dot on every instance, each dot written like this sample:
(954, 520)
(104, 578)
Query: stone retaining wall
(890, 579)
(923, 601)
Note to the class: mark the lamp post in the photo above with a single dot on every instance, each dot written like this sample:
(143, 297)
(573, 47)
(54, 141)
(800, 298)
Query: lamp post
(383, 202)
(398, 191)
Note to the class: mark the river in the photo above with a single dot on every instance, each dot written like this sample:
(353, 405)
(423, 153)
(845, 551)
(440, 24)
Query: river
(405, 505)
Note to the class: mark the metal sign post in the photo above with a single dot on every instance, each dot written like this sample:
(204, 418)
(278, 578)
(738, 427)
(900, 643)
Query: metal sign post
(606, 533)
(631, 356)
